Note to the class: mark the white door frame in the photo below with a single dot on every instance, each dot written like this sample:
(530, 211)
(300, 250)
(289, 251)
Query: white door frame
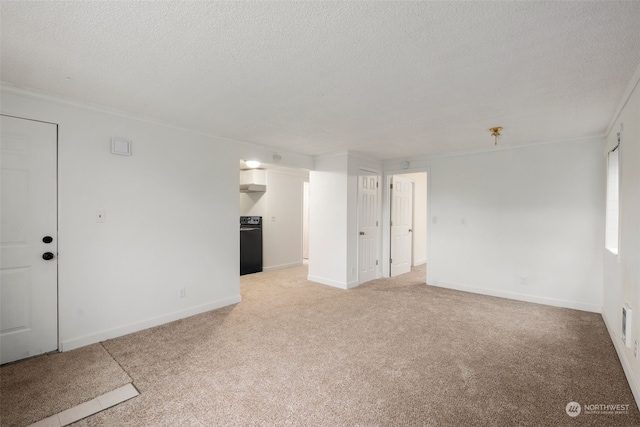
(51, 340)
(305, 219)
(378, 229)
(401, 226)
(386, 217)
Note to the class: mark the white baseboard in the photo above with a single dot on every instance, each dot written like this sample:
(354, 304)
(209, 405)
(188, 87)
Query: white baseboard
(519, 297)
(624, 359)
(328, 282)
(419, 262)
(145, 324)
(352, 284)
(281, 266)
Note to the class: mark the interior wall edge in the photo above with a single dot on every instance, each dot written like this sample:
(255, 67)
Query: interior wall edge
(245, 148)
(74, 343)
(633, 83)
(352, 284)
(328, 282)
(575, 305)
(282, 266)
(420, 163)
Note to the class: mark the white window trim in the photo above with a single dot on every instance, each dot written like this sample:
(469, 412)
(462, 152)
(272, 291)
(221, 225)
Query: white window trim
(612, 209)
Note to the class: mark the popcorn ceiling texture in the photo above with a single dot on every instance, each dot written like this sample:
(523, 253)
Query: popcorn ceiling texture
(389, 79)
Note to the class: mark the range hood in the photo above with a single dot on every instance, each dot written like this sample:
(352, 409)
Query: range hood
(253, 180)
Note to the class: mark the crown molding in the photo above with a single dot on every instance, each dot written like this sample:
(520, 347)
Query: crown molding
(633, 83)
(69, 102)
(590, 137)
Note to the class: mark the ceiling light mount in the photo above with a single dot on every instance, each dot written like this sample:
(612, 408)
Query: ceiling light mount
(495, 133)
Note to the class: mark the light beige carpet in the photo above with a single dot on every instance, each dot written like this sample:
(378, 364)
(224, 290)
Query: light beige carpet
(393, 352)
(37, 388)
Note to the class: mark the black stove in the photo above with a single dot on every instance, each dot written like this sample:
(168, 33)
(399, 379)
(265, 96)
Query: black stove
(250, 244)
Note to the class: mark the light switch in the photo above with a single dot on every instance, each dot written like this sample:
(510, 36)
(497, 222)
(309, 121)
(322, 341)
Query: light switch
(273, 217)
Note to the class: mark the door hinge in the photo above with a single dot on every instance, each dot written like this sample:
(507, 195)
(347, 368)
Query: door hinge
(391, 222)
(376, 262)
(376, 223)
(390, 261)
(392, 186)
(376, 184)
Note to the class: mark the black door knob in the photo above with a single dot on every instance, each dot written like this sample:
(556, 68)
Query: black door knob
(47, 256)
(47, 239)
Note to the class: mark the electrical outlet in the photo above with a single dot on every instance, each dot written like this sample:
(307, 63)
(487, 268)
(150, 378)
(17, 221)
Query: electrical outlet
(635, 349)
(183, 292)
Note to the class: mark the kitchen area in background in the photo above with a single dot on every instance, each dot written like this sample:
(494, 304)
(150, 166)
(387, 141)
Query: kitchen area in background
(272, 217)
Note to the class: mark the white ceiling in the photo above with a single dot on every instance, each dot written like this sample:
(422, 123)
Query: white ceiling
(390, 79)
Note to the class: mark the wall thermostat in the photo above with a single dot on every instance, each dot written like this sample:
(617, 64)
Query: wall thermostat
(121, 146)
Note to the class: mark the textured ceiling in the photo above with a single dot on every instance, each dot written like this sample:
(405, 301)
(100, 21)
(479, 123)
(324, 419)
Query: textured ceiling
(390, 79)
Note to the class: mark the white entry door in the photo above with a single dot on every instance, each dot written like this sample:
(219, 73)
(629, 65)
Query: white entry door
(28, 236)
(367, 226)
(401, 223)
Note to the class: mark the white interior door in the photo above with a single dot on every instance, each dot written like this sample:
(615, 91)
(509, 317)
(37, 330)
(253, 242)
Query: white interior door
(367, 226)
(401, 223)
(28, 264)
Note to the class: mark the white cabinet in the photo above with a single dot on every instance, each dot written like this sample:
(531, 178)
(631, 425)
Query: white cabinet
(253, 180)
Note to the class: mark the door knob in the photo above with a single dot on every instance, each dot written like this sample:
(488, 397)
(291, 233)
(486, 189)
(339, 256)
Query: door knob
(47, 256)
(362, 233)
(410, 231)
(47, 239)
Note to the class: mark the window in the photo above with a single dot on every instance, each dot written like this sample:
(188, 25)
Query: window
(613, 196)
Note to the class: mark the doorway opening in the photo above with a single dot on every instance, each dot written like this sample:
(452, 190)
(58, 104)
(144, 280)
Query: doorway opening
(279, 196)
(408, 222)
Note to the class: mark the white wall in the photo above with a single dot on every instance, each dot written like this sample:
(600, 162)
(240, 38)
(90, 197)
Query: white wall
(171, 221)
(333, 219)
(535, 212)
(622, 273)
(254, 204)
(328, 213)
(282, 237)
(282, 227)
